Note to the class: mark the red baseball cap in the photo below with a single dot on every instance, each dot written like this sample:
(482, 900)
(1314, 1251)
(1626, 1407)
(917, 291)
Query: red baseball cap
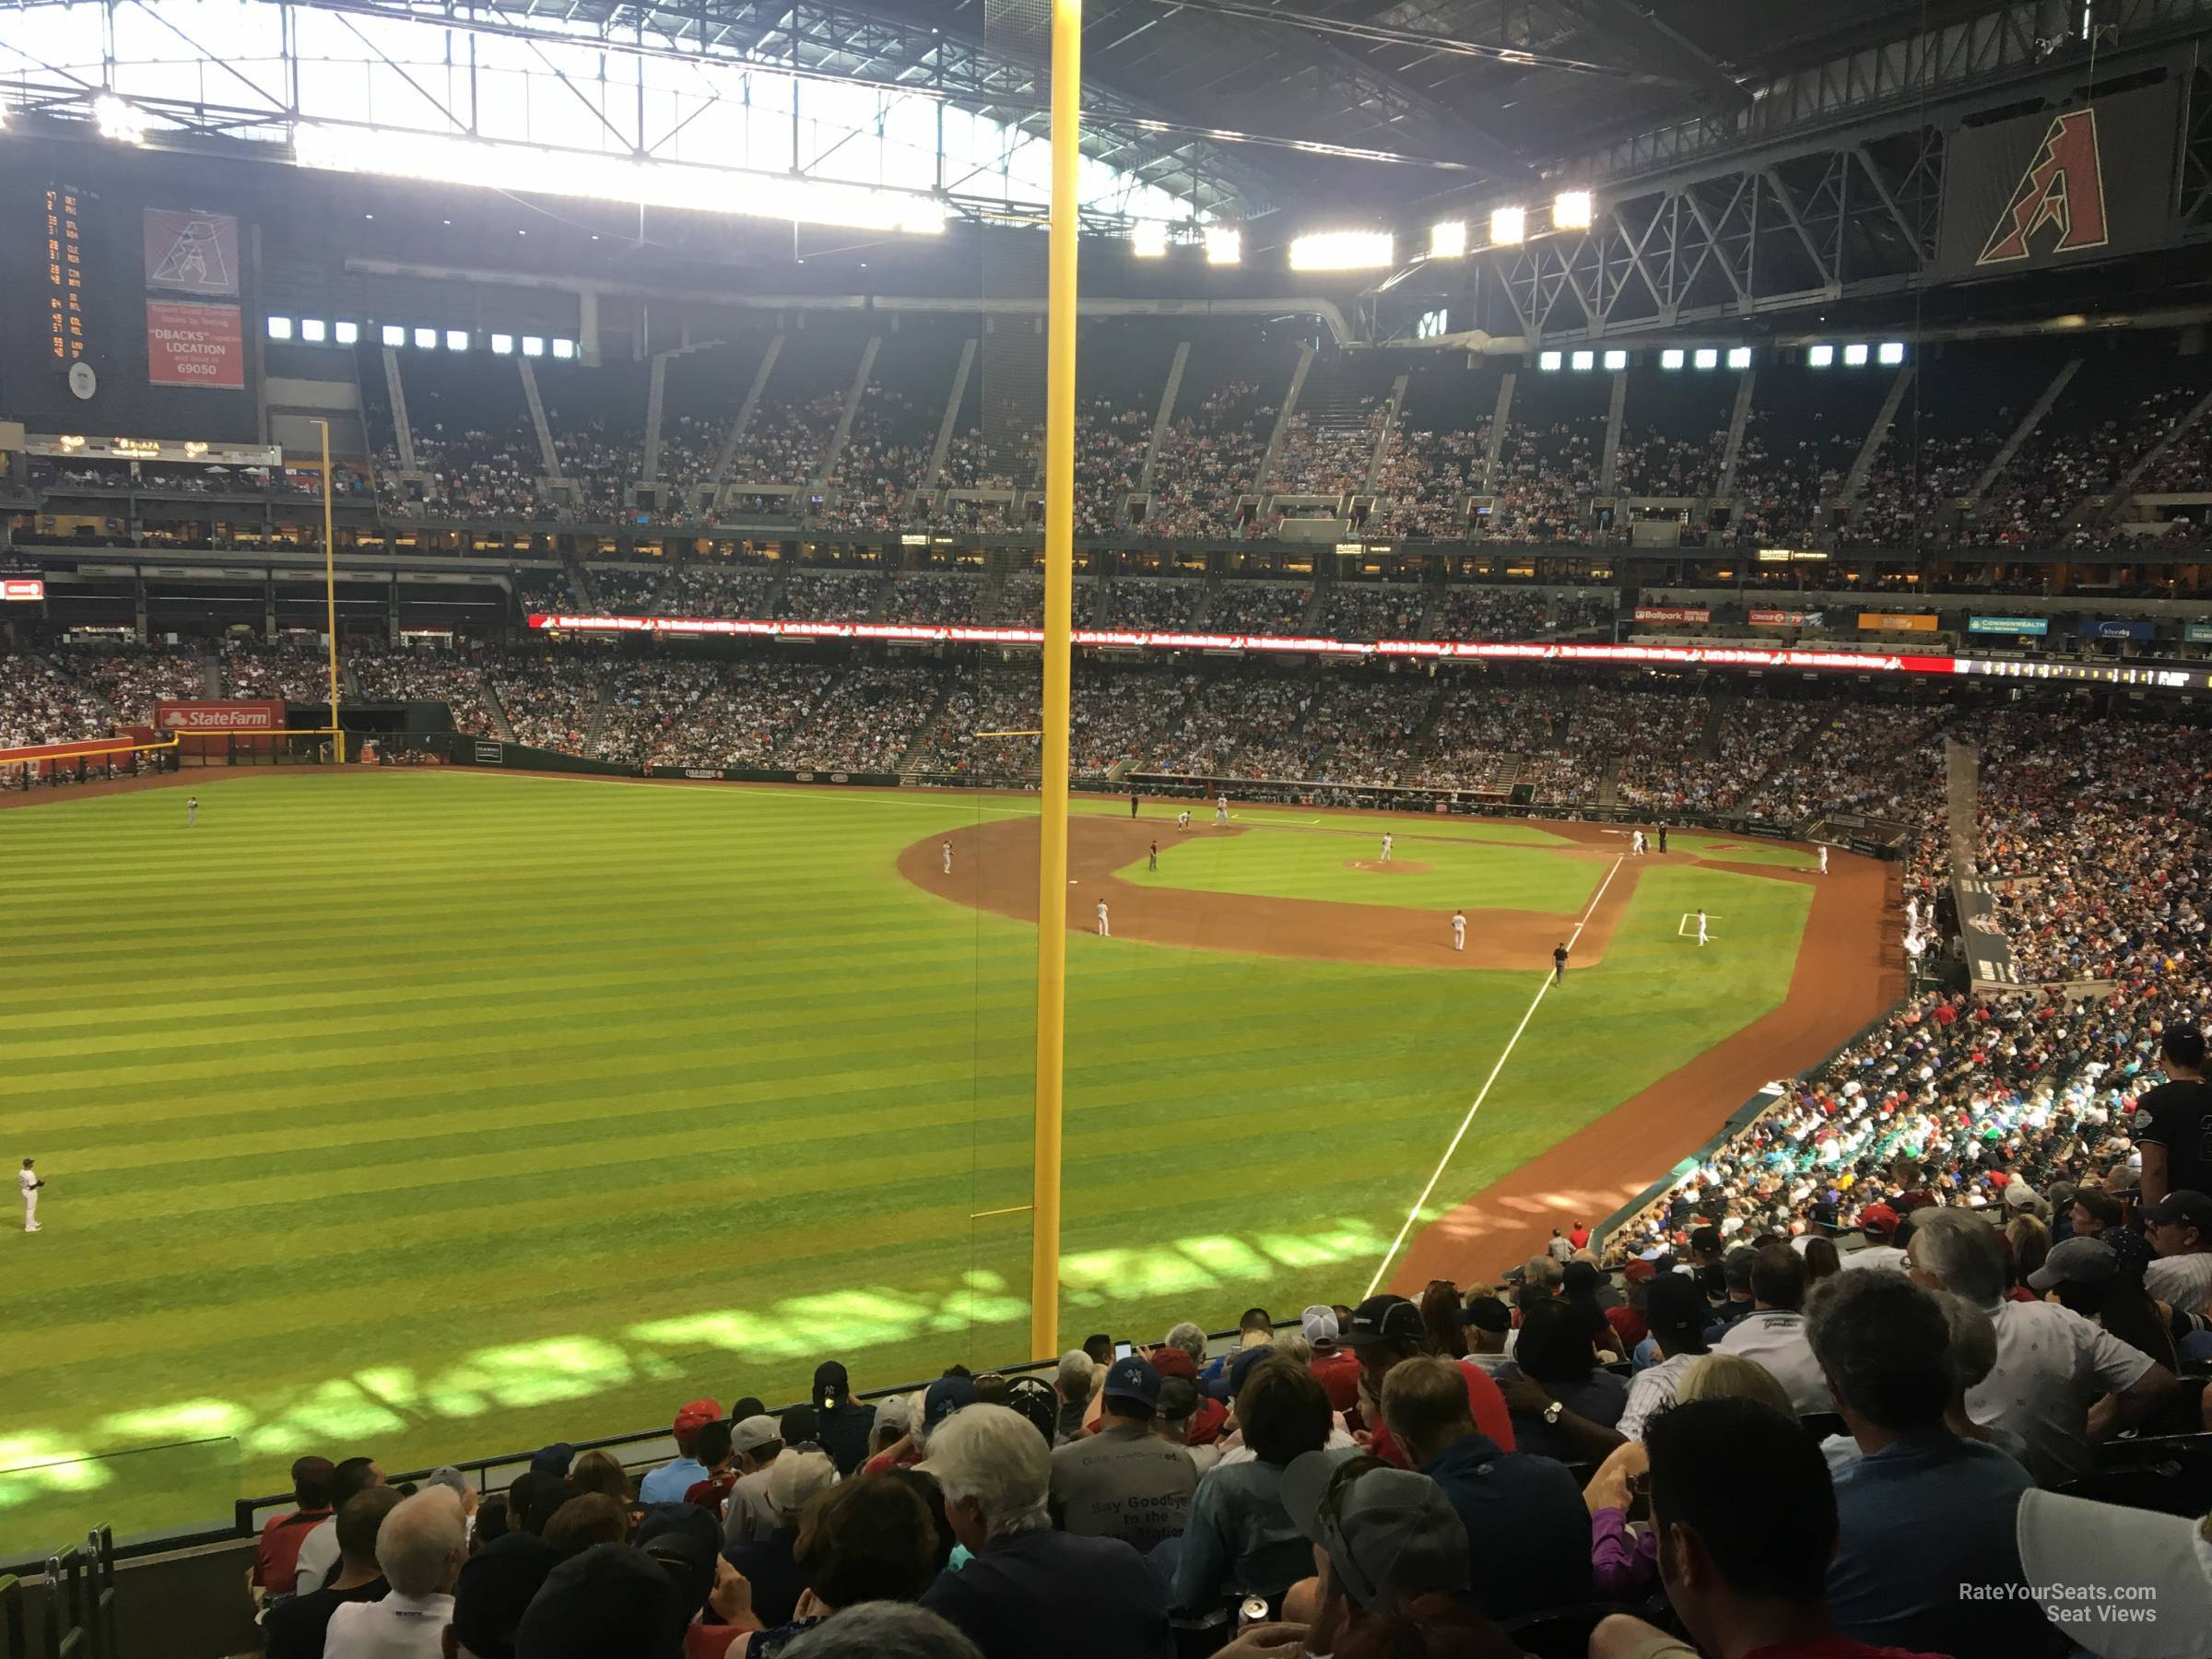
(1175, 1362)
(1878, 1217)
(691, 1418)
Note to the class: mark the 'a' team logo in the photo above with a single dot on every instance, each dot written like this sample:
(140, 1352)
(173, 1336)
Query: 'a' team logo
(195, 258)
(2063, 186)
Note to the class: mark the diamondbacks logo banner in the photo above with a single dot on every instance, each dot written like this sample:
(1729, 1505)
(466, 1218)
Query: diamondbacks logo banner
(189, 253)
(2060, 187)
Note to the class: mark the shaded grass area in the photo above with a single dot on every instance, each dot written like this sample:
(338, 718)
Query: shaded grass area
(434, 1114)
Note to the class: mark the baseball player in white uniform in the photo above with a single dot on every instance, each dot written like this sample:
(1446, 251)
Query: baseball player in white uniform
(1459, 930)
(1636, 844)
(1105, 929)
(947, 858)
(1220, 811)
(30, 1184)
(1911, 912)
(1388, 842)
(191, 811)
(1182, 818)
(1823, 861)
(1701, 927)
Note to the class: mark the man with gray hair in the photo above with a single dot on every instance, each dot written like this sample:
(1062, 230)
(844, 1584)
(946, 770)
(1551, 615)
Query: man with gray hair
(1075, 1382)
(883, 1630)
(1884, 1343)
(420, 1549)
(2061, 1382)
(1028, 1588)
(1190, 1337)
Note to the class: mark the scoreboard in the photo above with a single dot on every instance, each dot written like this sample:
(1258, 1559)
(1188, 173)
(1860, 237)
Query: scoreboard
(65, 295)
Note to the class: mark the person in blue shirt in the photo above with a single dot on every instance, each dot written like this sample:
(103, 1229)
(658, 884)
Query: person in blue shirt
(1920, 1511)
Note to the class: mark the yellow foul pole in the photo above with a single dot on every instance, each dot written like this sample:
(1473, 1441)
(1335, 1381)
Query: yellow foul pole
(1059, 586)
(330, 598)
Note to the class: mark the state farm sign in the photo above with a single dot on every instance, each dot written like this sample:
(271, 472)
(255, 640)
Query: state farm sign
(219, 716)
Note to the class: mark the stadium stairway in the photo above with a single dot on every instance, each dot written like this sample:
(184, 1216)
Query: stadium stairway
(501, 726)
(1609, 788)
(212, 671)
(1717, 709)
(599, 708)
(926, 733)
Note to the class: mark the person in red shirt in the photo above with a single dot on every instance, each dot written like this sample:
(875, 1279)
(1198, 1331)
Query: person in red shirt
(1745, 1512)
(1386, 1330)
(1338, 1368)
(1211, 1416)
(1578, 1235)
(277, 1562)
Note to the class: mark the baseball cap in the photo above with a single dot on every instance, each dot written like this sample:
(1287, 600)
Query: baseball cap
(1389, 1533)
(495, 1586)
(1132, 1379)
(1178, 1399)
(684, 1539)
(1034, 1399)
(2188, 1209)
(831, 1385)
(1487, 1313)
(554, 1459)
(1672, 1302)
(1705, 1238)
(446, 1475)
(2020, 1194)
(2075, 1261)
(1639, 1272)
(893, 1411)
(1877, 1218)
(1736, 1267)
(1242, 1364)
(945, 1396)
(611, 1602)
(795, 1481)
(1173, 1362)
(749, 1434)
(1320, 1326)
(1384, 1318)
(2068, 1541)
(693, 1416)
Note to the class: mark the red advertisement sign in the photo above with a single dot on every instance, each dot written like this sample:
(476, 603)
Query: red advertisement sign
(213, 729)
(189, 345)
(21, 590)
(1778, 618)
(1673, 613)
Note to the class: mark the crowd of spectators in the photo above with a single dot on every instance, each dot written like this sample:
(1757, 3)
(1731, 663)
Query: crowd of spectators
(1207, 460)
(133, 680)
(550, 698)
(41, 703)
(1246, 606)
(422, 674)
(868, 721)
(255, 668)
(1363, 610)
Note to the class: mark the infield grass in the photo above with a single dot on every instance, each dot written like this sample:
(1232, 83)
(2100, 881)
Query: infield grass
(435, 1114)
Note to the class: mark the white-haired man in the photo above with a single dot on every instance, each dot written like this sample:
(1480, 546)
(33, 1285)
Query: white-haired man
(1030, 1589)
(419, 1549)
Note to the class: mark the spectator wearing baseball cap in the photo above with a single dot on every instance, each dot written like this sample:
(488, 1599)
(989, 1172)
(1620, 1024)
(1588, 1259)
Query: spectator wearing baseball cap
(494, 1590)
(1676, 1312)
(755, 1443)
(712, 1448)
(1239, 1540)
(1879, 1223)
(1528, 1532)
(842, 1422)
(2170, 1120)
(1209, 1417)
(668, 1483)
(1489, 1323)
(2180, 1229)
(1773, 1333)
(771, 1565)
(1387, 1329)
(612, 1602)
(1735, 1303)
(1338, 1368)
(276, 1560)
(1124, 1481)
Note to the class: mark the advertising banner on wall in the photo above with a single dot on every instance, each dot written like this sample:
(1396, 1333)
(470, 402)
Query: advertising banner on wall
(2136, 629)
(21, 590)
(1673, 613)
(2057, 188)
(2199, 633)
(1898, 621)
(188, 345)
(2008, 625)
(1766, 617)
(189, 253)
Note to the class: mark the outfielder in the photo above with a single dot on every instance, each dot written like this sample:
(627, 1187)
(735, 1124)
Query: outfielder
(1182, 818)
(947, 858)
(1459, 930)
(1701, 927)
(1388, 842)
(191, 811)
(30, 1184)
(1824, 861)
(1220, 811)
(1105, 932)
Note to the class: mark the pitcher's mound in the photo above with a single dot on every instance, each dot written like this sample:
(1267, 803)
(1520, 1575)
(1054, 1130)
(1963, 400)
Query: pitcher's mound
(1397, 866)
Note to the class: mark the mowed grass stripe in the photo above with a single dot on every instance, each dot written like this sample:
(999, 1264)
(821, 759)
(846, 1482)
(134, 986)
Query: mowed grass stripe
(435, 1113)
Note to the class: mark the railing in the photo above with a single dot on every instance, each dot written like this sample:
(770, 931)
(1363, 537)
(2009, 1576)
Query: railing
(79, 1613)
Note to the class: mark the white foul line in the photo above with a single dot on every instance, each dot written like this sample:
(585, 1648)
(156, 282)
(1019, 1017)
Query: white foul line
(1464, 1124)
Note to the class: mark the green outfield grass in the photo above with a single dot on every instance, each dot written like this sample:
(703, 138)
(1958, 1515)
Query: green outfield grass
(434, 1114)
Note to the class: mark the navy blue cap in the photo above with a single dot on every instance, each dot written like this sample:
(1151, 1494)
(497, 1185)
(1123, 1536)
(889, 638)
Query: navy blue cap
(1242, 1364)
(1132, 1379)
(946, 1395)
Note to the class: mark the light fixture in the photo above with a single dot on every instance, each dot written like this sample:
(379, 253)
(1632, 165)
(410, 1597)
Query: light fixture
(533, 346)
(1585, 361)
(280, 328)
(1739, 356)
(1854, 355)
(1448, 239)
(1509, 227)
(346, 333)
(1224, 244)
(118, 119)
(426, 339)
(1616, 362)
(456, 340)
(564, 349)
(1672, 358)
(1343, 251)
(1707, 357)
(1570, 210)
(443, 159)
(313, 329)
(1890, 353)
(1819, 357)
(394, 335)
(503, 345)
(1548, 361)
(1148, 239)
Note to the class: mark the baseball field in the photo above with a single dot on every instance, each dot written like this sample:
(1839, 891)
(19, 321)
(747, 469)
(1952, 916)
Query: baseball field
(434, 1114)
